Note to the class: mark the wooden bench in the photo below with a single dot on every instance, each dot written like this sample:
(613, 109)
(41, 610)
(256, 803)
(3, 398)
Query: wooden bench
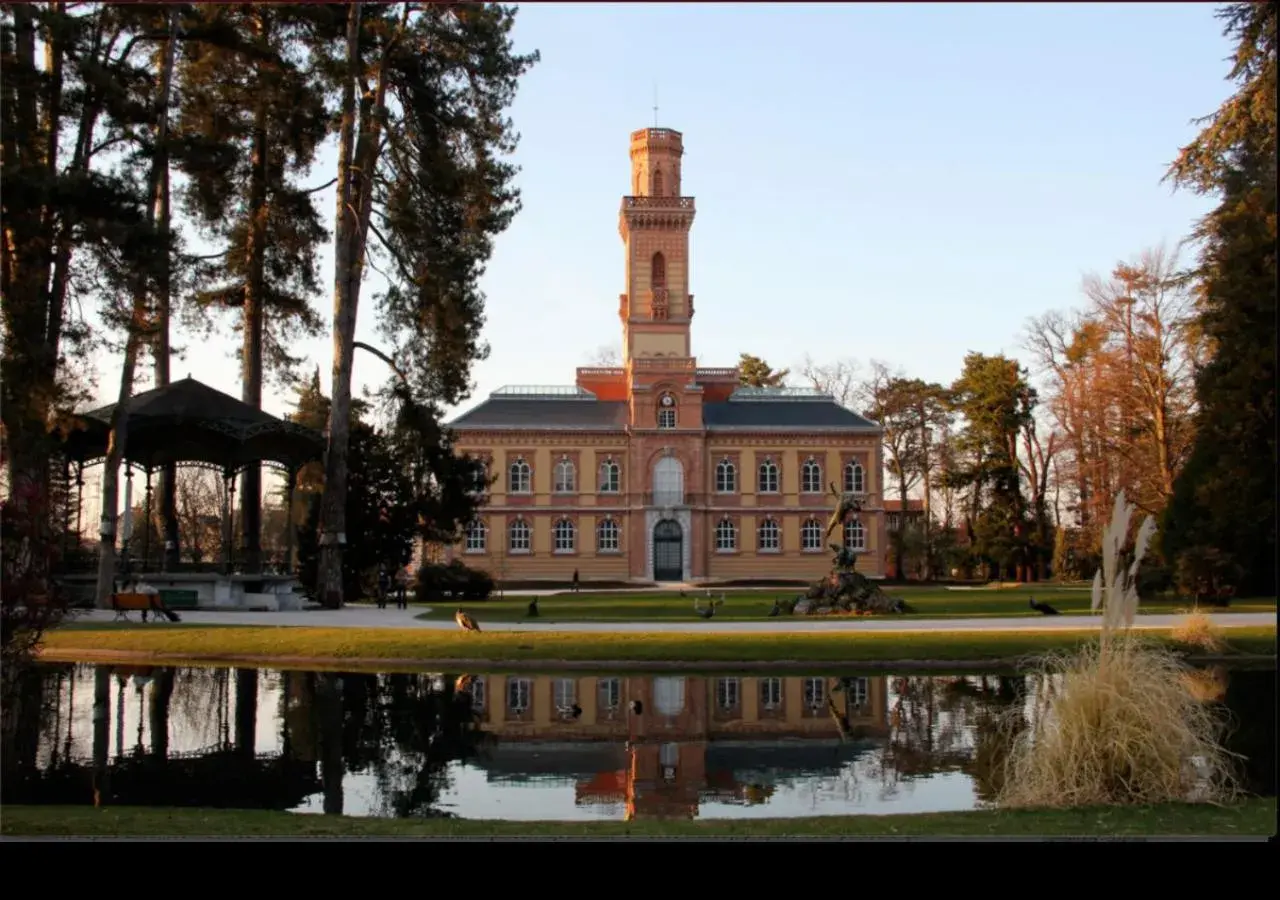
(124, 602)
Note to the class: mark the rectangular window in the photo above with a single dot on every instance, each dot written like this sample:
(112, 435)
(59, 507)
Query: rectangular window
(519, 694)
(609, 694)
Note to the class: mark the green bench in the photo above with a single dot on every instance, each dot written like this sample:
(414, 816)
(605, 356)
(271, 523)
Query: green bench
(176, 599)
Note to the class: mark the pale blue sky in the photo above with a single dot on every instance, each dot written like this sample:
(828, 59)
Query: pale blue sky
(905, 182)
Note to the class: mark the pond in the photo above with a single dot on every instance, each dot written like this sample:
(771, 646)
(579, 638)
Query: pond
(537, 747)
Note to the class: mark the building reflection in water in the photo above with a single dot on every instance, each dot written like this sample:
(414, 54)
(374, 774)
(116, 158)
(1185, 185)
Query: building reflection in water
(691, 735)
(413, 745)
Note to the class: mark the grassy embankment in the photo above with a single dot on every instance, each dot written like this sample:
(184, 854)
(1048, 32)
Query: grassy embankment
(747, 605)
(304, 645)
(1253, 817)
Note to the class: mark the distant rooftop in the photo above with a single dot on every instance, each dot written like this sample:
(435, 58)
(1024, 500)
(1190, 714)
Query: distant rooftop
(748, 392)
(559, 391)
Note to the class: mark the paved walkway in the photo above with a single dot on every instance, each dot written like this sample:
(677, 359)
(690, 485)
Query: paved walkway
(371, 617)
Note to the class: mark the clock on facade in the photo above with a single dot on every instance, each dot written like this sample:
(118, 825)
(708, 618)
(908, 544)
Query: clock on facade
(666, 400)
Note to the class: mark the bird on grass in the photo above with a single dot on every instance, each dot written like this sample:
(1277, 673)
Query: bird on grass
(531, 612)
(777, 608)
(1043, 608)
(708, 611)
(465, 622)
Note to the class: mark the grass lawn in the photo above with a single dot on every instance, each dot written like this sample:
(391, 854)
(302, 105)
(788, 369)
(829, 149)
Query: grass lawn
(928, 603)
(248, 643)
(1253, 817)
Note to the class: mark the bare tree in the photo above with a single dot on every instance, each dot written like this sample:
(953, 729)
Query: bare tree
(606, 356)
(1146, 308)
(839, 379)
(198, 499)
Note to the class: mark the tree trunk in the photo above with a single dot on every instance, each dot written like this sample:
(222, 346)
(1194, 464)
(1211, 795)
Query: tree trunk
(333, 503)
(168, 487)
(138, 331)
(251, 387)
(355, 199)
(900, 534)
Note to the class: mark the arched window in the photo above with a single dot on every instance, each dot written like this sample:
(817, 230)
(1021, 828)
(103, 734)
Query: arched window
(610, 477)
(768, 477)
(666, 411)
(815, 693)
(811, 477)
(477, 536)
(657, 182)
(566, 481)
(726, 536)
(726, 477)
(564, 535)
(855, 536)
(607, 536)
(811, 535)
(520, 477)
(855, 479)
(658, 271)
(519, 539)
(770, 540)
(668, 482)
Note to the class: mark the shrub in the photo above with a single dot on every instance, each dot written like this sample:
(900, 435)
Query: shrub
(1117, 722)
(452, 581)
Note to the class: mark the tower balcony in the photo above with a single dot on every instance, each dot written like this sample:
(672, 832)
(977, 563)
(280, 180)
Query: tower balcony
(647, 202)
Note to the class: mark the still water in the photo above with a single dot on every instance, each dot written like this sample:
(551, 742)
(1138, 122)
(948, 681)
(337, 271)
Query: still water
(528, 747)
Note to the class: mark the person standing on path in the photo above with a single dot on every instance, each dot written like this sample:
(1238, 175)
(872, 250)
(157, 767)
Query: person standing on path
(384, 585)
(575, 581)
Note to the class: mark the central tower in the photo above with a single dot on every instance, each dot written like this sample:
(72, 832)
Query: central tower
(654, 223)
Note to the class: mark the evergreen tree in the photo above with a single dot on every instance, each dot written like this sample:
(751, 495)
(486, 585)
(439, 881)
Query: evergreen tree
(755, 372)
(993, 396)
(1224, 499)
(423, 126)
(254, 105)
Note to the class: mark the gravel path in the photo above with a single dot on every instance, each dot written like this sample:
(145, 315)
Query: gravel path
(371, 617)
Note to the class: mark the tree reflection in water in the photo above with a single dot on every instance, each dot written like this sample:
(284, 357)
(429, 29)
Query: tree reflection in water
(202, 744)
(406, 729)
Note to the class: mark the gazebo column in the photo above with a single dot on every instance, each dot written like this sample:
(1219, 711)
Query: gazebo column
(251, 518)
(291, 475)
(228, 529)
(79, 507)
(146, 530)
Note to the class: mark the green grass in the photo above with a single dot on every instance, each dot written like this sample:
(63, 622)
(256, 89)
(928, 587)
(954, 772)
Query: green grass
(81, 641)
(745, 605)
(1253, 817)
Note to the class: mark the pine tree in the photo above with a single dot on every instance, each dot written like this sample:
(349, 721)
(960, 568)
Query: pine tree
(255, 106)
(1224, 499)
(419, 149)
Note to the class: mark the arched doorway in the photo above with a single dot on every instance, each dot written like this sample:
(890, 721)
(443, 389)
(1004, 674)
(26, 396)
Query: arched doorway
(668, 551)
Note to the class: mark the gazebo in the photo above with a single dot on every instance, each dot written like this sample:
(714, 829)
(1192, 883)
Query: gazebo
(187, 423)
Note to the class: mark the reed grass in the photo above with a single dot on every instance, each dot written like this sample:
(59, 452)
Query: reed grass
(1118, 722)
(1197, 630)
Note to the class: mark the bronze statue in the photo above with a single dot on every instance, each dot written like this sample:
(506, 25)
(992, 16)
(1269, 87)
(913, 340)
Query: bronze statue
(845, 504)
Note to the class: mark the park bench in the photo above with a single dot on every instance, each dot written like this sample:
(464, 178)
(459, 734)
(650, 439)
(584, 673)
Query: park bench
(122, 603)
(173, 598)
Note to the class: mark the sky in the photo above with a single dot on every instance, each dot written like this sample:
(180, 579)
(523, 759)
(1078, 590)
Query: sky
(899, 182)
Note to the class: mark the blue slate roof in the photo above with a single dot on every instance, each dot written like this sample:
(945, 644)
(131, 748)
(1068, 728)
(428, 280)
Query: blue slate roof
(568, 410)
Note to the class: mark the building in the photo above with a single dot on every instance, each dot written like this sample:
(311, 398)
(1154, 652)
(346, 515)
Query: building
(697, 739)
(661, 470)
